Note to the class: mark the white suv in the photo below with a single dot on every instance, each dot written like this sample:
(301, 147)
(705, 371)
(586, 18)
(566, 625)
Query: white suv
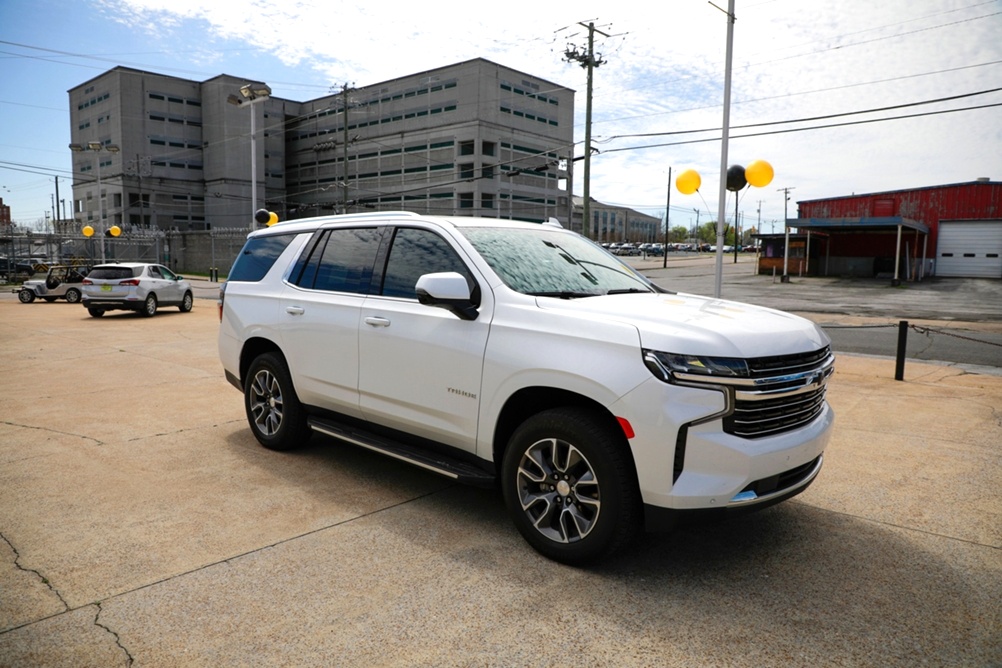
(525, 356)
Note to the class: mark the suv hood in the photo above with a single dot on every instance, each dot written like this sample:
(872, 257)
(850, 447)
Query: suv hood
(691, 324)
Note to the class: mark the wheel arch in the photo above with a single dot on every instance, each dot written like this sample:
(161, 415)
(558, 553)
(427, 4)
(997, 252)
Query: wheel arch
(254, 348)
(532, 400)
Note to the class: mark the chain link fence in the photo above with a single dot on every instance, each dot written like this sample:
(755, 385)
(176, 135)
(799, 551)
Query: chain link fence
(194, 252)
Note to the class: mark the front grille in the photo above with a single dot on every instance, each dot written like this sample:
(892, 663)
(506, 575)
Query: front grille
(786, 392)
(778, 394)
(752, 419)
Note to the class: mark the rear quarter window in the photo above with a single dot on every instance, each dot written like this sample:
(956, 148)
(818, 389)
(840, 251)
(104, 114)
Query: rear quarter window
(257, 257)
(112, 273)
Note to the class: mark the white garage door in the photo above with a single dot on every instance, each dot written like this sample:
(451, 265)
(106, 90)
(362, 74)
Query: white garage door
(970, 249)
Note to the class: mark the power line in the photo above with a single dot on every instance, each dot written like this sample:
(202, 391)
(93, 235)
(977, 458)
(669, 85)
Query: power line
(816, 127)
(814, 118)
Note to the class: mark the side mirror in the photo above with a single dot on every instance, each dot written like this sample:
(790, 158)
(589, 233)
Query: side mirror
(448, 290)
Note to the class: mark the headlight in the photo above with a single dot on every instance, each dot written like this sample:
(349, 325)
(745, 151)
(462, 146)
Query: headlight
(668, 366)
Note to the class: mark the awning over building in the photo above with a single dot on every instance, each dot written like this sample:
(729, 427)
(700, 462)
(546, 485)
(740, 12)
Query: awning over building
(866, 222)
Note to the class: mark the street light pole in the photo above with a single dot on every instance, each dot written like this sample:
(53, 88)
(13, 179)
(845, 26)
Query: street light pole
(97, 147)
(251, 95)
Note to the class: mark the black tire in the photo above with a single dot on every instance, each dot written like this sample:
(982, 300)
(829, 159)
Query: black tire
(25, 296)
(95, 312)
(187, 302)
(149, 306)
(73, 296)
(274, 413)
(570, 486)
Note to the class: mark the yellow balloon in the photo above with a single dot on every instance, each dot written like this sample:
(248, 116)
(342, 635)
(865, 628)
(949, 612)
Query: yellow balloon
(115, 230)
(759, 173)
(272, 218)
(688, 182)
(88, 231)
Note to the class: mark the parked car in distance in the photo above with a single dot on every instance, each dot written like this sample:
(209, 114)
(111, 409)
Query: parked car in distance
(134, 286)
(12, 268)
(60, 282)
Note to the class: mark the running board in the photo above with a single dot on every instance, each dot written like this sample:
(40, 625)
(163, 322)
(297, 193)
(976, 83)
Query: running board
(450, 467)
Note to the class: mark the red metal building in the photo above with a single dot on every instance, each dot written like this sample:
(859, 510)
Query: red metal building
(949, 230)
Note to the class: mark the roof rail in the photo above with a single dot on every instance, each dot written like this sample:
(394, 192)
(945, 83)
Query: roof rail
(377, 214)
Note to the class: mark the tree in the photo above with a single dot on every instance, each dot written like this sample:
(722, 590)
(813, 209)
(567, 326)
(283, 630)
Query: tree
(707, 232)
(678, 234)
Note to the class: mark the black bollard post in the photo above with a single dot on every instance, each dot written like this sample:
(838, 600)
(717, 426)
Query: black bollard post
(899, 367)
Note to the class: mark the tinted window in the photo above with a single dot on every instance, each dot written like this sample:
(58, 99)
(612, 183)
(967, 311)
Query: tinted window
(112, 273)
(416, 252)
(346, 262)
(258, 256)
(155, 272)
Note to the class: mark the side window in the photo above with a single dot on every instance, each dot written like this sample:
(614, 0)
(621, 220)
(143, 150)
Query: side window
(168, 274)
(347, 259)
(154, 271)
(414, 253)
(257, 257)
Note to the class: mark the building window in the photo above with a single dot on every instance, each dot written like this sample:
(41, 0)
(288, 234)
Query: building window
(466, 170)
(465, 200)
(466, 148)
(487, 201)
(488, 148)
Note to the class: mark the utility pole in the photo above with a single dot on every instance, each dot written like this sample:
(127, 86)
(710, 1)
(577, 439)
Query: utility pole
(664, 255)
(588, 61)
(723, 149)
(786, 242)
(695, 230)
(137, 166)
(55, 208)
(345, 89)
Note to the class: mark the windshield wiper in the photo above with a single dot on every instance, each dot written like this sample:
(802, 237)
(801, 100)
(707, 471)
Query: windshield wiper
(562, 294)
(625, 291)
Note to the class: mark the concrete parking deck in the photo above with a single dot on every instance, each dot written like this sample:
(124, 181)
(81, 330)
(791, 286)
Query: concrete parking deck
(141, 524)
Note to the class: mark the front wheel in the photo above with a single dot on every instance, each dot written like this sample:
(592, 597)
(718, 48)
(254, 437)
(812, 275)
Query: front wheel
(570, 485)
(149, 306)
(73, 296)
(274, 413)
(186, 303)
(26, 296)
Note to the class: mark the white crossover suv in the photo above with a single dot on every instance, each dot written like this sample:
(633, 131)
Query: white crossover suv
(524, 356)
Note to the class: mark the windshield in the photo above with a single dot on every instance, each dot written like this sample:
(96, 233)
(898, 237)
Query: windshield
(553, 263)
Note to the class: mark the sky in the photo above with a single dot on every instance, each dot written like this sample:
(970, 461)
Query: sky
(839, 97)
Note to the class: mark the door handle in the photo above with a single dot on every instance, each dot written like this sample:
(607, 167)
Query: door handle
(377, 322)
(295, 310)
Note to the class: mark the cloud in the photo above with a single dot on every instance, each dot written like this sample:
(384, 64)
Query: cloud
(664, 72)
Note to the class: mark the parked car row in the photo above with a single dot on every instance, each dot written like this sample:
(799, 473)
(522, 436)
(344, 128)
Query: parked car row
(141, 287)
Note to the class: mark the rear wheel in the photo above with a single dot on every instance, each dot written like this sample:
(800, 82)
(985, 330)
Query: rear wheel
(149, 306)
(570, 486)
(73, 296)
(274, 413)
(26, 296)
(186, 303)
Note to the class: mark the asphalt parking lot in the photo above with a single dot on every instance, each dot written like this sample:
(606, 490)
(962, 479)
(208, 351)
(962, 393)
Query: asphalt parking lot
(141, 524)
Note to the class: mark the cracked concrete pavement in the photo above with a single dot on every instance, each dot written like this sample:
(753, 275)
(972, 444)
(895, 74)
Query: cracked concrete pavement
(142, 525)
